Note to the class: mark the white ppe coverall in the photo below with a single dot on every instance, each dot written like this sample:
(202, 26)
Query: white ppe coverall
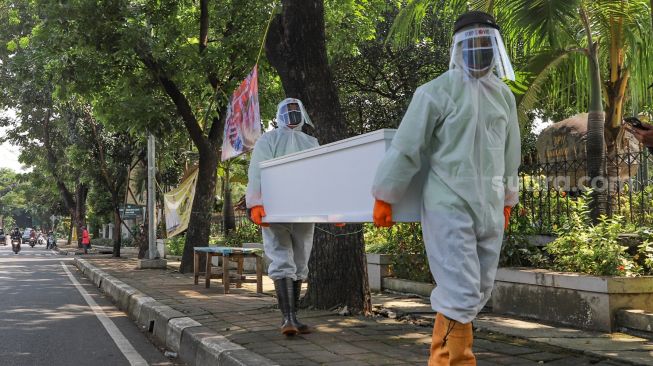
(465, 130)
(287, 245)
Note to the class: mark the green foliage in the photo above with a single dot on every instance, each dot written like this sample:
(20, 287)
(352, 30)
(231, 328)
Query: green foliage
(175, 245)
(127, 242)
(9, 222)
(581, 246)
(376, 240)
(349, 23)
(591, 249)
(246, 232)
(102, 242)
(373, 84)
(404, 242)
(518, 251)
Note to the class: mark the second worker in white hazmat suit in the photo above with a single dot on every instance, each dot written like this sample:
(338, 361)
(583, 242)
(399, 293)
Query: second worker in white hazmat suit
(287, 245)
(463, 126)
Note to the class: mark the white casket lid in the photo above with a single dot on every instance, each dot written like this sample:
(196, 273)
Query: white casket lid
(384, 134)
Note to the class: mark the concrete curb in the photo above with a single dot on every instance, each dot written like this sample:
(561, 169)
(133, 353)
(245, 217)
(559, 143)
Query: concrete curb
(195, 343)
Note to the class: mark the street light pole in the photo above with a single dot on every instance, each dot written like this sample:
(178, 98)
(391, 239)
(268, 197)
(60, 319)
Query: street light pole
(150, 196)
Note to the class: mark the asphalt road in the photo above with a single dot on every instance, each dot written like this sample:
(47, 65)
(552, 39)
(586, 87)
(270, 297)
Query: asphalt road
(45, 319)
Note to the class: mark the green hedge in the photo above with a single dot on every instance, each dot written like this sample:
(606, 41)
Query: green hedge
(102, 242)
(404, 242)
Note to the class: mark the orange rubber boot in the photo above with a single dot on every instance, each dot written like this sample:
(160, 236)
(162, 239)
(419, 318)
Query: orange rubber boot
(452, 343)
(439, 353)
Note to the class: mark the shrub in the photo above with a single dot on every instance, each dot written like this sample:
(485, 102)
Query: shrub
(518, 251)
(102, 242)
(404, 242)
(376, 240)
(595, 249)
(246, 232)
(175, 245)
(127, 242)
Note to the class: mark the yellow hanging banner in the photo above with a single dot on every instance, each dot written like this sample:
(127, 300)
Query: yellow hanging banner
(178, 204)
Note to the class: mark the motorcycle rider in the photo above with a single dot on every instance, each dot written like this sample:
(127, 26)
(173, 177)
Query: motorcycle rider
(15, 234)
(52, 242)
(15, 237)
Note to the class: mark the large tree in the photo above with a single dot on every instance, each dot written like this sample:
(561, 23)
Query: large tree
(106, 157)
(153, 66)
(296, 47)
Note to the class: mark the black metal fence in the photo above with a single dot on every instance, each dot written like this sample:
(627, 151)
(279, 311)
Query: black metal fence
(549, 191)
(217, 223)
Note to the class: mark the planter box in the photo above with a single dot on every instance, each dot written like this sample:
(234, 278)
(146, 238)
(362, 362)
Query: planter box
(584, 301)
(378, 267)
(408, 286)
(333, 183)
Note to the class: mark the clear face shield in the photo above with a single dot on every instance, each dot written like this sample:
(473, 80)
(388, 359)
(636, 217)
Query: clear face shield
(479, 51)
(291, 113)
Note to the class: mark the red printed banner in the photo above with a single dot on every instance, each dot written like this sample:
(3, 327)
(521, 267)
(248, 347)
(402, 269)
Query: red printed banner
(243, 124)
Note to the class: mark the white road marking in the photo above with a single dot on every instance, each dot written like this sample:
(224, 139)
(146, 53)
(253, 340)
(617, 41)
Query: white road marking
(134, 358)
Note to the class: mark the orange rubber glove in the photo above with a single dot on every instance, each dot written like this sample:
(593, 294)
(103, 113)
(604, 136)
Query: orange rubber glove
(506, 215)
(257, 214)
(382, 214)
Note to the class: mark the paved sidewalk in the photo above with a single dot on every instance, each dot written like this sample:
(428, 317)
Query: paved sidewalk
(400, 336)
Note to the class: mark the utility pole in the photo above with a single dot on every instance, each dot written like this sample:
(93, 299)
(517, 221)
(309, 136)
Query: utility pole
(151, 234)
(152, 261)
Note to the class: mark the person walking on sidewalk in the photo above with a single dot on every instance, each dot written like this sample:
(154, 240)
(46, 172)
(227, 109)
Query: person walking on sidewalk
(463, 125)
(287, 245)
(86, 239)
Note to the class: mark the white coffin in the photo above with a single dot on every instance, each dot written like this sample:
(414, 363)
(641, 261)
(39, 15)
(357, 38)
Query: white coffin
(333, 183)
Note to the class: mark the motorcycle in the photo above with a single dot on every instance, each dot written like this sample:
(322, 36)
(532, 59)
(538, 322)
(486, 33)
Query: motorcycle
(51, 243)
(32, 242)
(15, 245)
(41, 240)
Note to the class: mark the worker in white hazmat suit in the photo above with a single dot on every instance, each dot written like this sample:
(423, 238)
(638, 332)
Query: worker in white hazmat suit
(463, 127)
(287, 245)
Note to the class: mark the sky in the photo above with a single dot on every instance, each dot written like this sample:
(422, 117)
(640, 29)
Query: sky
(9, 156)
(8, 152)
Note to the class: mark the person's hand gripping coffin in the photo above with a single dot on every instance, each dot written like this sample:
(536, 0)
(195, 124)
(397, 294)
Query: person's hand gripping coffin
(287, 245)
(463, 127)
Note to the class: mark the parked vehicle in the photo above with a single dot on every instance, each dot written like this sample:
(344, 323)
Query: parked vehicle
(27, 234)
(3, 237)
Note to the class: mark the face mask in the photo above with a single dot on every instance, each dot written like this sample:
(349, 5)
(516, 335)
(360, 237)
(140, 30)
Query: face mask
(294, 118)
(478, 59)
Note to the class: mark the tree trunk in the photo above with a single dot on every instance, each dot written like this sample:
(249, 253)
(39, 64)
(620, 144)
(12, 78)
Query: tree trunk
(117, 238)
(595, 141)
(80, 210)
(228, 220)
(296, 49)
(199, 227)
(73, 224)
(615, 88)
(595, 128)
(141, 239)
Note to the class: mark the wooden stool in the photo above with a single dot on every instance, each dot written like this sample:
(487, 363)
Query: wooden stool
(229, 254)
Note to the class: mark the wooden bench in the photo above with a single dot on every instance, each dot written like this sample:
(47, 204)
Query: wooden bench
(228, 254)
